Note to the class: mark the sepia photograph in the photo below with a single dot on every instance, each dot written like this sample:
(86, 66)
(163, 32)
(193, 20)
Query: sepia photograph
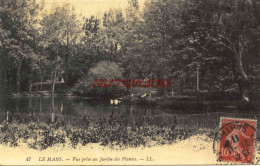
(129, 82)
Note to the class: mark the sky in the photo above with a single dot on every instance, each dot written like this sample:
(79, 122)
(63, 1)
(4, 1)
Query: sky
(91, 7)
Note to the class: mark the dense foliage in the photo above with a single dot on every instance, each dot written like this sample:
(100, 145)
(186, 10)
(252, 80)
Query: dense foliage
(165, 39)
(104, 70)
(111, 132)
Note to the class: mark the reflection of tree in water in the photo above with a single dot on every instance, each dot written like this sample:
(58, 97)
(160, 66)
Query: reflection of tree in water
(66, 109)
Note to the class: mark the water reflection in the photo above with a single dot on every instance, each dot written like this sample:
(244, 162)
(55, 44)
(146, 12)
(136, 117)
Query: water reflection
(54, 108)
(69, 110)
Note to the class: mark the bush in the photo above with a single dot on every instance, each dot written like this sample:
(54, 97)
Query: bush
(103, 70)
(111, 132)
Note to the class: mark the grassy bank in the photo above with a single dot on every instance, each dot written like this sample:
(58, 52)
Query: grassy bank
(203, 101)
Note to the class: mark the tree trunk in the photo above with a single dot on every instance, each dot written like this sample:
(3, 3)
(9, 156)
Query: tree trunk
(18, 77)
(66, 71)
(9, 80)
(165, 89)
(243, 83)
(182, 83)
(30, 82)
(37, 86)
(55, 74)
(41, 83)
(52, 109)
(5, 78)
(3, 65)
(40, 104)
(66, 63)
(2, 77)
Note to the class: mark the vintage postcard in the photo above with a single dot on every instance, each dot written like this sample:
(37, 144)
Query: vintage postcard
(129, 82)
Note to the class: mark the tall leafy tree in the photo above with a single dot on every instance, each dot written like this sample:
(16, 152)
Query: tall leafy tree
(165, 44)
(61, 30)
(113, 28)
(18, 21)
(227, 31)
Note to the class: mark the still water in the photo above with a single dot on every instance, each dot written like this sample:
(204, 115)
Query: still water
(71, 110)
(63, 107)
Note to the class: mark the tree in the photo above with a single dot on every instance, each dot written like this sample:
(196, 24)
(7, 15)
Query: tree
(159, 40)
(113, 27)
(18, 30)
(102, 70)
(60, 28)
(132, 49)
(225, 30)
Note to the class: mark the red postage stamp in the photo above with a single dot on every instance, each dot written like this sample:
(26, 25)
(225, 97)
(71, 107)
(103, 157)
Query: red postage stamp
(236, 140)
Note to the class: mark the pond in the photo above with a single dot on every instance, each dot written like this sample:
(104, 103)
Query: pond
(71, 110)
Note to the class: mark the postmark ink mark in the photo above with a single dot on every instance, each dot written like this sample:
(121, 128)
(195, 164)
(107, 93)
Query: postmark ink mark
(235, 140)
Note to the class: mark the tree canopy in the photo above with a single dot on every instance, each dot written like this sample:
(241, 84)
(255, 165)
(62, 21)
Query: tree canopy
(166, 39)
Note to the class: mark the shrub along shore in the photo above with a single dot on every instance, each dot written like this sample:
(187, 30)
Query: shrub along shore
(201, 101)
(41, 135)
